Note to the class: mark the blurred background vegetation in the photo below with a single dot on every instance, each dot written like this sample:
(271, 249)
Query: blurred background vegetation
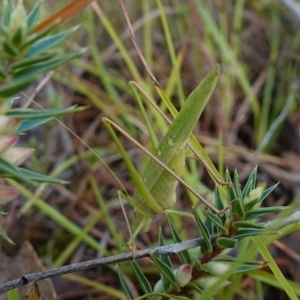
(252, 119)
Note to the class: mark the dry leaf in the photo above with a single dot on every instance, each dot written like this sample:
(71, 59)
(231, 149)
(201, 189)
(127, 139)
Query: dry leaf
(34, 293)
(25, 261)
(65, 13)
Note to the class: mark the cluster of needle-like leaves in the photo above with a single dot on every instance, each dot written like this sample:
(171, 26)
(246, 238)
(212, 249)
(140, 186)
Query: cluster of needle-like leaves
(25, 53)
(203, 269)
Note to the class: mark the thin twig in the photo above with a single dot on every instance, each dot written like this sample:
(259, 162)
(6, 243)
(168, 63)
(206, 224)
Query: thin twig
(167, 250)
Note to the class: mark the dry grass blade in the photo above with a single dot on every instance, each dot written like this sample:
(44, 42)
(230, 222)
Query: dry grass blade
(138, 49)
(65, 13)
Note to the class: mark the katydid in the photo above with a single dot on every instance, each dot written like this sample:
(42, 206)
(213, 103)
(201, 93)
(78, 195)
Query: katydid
(193, 143)
(155, 188)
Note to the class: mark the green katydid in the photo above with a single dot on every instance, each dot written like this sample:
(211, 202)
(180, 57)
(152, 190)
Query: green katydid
(193, 143)
(155, 188)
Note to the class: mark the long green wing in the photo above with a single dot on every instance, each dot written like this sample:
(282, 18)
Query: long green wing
(175, 141)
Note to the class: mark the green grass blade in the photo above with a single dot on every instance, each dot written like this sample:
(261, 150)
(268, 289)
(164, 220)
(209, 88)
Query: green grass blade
(204, 231)
(229, 55)
(166, 270)
(121, 47)
(176, 63)
(274, 267)
(124, 284)
(70, 249)
(270, 279)
(165, 259)
(175, 235)
(58, 218)
(143, 281)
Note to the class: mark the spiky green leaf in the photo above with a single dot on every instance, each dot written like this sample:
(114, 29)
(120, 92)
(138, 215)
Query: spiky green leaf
(165, 259)
(248, 225)
(28, 61)
(143, 281)
(237, 208)
(35, 70)
(10, 49)
(247, 268)
(218, 200)
(267, 192)
(216, 220)
(165, 270)
(236, 185)
(125, 286)
(17, 38)
(226, 243)
(250, 184)
(209, 225)
(35, 118)
(230, 190)
(242, 233)
(5, 237)
(33, 176)
(3, 74)
(9, 90)
(219, 204)
(262, 211)
(176, 237)
(28, 114)
(7, 170)
(36, 37)
(44, 44)
(33, 16)
(204, 231)
(227, 258)
(249, 205)
(7, 9)
(30, 124)
(198, 289)
(3, 33)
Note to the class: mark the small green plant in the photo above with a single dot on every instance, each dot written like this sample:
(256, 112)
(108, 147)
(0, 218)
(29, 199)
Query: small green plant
(208, 268)
(24, 55)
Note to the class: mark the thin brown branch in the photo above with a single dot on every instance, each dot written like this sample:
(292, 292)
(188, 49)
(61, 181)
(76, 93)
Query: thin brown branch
(167, 250)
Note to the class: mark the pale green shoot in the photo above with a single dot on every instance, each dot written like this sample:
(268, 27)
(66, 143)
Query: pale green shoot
(155, 188)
